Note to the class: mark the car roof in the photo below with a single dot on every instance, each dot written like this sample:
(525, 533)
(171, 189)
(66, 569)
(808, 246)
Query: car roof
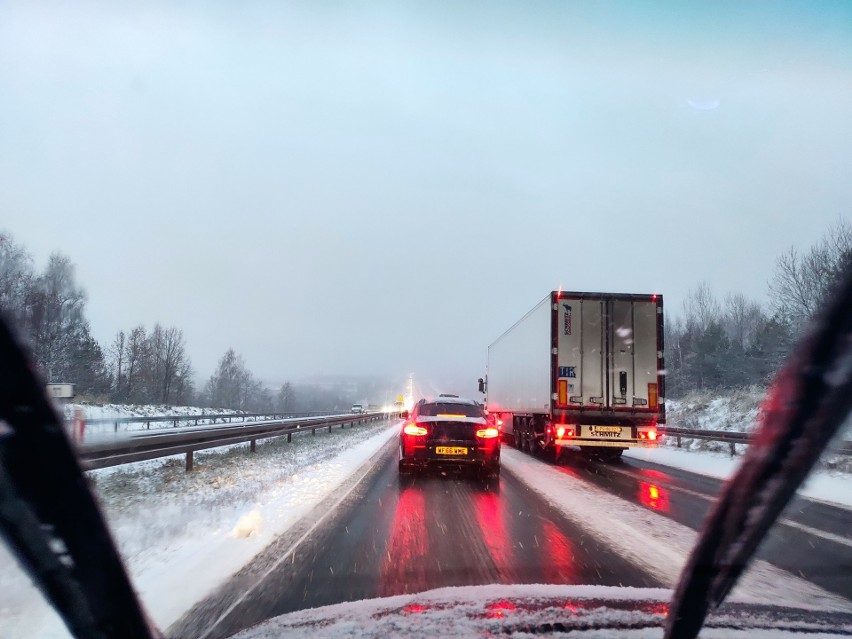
(448, 399)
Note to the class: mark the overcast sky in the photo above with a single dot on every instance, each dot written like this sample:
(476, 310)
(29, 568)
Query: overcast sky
(384, 187)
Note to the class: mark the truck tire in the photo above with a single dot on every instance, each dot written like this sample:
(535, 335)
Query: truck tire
(538, 438)
(529, 438)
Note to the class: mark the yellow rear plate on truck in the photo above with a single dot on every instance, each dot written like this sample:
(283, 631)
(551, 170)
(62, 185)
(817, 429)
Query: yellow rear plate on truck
(606, 431)
(451, 450)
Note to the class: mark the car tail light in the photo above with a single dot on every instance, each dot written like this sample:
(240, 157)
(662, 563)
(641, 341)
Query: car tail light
(487, 433)
(414, 429)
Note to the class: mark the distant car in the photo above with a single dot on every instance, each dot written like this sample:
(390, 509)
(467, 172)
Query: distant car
(449, 431)
(357, 409)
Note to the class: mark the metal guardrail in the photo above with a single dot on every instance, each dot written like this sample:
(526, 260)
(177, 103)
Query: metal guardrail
(203, 417)
(733, 438)
(103, 455)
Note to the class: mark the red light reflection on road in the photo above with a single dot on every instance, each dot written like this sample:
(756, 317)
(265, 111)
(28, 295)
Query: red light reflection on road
(491, 517)
(560, 567)
(654, 497)
(650, 473)
(405, 561)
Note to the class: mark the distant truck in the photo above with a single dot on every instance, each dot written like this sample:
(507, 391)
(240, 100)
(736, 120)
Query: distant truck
(580, 369)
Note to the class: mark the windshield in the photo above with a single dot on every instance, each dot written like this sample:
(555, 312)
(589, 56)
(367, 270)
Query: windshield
(239, 242)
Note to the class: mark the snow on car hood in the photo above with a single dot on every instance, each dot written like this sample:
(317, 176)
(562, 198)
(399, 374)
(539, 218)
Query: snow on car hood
(599, 612)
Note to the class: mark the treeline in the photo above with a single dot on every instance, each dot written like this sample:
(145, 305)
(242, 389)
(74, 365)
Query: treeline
(733, 342)
(715, 343)
(141, 365)
(48, 309)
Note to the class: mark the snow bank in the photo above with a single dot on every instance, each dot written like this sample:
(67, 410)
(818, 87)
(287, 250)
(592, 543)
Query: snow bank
(733, 410)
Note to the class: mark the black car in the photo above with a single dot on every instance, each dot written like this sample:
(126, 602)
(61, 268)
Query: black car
(449, 431)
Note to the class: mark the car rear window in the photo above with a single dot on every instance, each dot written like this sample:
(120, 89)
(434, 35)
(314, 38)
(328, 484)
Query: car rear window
(433, 410)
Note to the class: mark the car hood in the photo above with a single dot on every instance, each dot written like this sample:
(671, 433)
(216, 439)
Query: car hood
(542, 610)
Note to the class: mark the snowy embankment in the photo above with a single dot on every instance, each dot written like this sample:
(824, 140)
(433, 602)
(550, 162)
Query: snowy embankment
(110, 411)
(93, 412)
(631, 530)
(738, 411)
(184, 534)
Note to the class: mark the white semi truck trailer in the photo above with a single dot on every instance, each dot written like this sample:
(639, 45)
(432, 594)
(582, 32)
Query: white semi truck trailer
(581, 369)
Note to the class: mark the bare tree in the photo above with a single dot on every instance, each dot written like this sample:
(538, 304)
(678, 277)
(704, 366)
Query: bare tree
(167, 357)
(701, 308)
(803, 280)
(116, 354)
(184, 389)
(55, 320)
(742, 320)
(284, 398)
(225, 386)
(16, 279)
(136, 358)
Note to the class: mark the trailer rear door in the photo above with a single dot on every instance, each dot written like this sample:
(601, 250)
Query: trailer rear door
(607, 356)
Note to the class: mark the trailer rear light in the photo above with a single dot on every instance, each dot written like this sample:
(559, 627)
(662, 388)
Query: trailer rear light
(564, 431)
(650, 435)
(487, 433)
(414, 429)
(652, 396)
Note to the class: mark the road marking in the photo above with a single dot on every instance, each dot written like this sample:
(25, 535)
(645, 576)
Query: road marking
(816, 532)
(297, 543)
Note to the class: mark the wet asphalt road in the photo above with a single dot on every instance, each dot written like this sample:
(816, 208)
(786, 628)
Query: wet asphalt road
(812, 539)
(393, 536)
(404, 536)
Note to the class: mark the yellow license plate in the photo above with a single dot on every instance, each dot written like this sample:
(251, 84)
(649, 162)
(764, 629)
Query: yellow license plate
(451, 450)
(610, 431)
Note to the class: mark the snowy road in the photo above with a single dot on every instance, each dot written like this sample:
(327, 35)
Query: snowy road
(388, 538)
(812, 539)
(325, 519)
(391, 538)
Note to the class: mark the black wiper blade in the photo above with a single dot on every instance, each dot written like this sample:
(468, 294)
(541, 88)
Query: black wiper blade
(48, 516)
(805, 408)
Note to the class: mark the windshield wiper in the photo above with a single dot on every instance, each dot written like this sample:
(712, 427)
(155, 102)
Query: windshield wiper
(48, 516)
(808, 402)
